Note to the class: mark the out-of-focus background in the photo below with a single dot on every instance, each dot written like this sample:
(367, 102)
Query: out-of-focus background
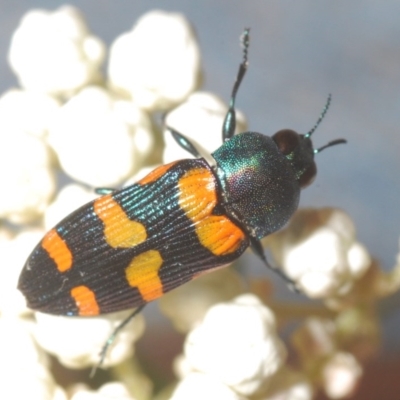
(299, 52)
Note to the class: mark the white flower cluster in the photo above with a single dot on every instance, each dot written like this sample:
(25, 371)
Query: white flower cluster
(319, 252)
(99, 131)
(23, 365)
(157, 64)
(236, 347)
(54, 52)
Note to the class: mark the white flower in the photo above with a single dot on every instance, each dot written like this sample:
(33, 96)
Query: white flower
(109, 391)
(341, 375)
(23, 365)
(13, 254)
(77, 341)
(200, 119)
(100, 140)
(157, 63)
(237, 344)
(186, 305)
(197, 386)
(27, 111)
(319, 252)
(27, 175)
(54, 52)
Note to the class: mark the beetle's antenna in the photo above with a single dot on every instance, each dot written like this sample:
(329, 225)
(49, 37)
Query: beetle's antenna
(321, 117)
(332, 143)
(245, 41)
(229, 125)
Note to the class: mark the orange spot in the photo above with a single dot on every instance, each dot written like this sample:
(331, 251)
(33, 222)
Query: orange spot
(197, 197)
(142, 273)
(119, 230)
(85, 300)
(58, 250)
(156, 173)
(219, 235)
(197, 193)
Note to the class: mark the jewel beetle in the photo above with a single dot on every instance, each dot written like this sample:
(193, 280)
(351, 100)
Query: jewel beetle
(132, 245)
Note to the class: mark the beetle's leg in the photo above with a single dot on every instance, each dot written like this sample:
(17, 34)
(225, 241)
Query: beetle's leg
(103, 190)
(112, 337)
(184, 142)
(256, 246)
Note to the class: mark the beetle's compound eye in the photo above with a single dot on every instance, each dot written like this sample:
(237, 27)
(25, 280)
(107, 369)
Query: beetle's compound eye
(307, 177)
(286, 140)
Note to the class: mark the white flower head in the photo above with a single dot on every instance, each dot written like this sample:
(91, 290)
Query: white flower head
(24, 365)
(319, 252)
(26, 112)
(199, 386)
(187, 304)
(27, 173)
(54, 52)
(99, 139)
(237, 344)
(13, 255)
(62, 337)
(341, 375)
(157, 64)
(109, 391)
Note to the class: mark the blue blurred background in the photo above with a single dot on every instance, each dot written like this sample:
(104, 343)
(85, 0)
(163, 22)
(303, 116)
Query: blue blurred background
(300, 51)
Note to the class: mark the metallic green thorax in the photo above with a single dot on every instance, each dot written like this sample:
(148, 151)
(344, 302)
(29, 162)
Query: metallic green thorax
(258, 182)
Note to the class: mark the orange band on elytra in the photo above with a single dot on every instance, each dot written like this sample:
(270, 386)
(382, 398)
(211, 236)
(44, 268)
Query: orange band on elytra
(142, 273)
(197, 198)
(58, 250)
(119, 230)
(219, 235)
(85, 300)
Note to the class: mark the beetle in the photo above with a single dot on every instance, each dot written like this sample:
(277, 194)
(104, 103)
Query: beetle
(132, 245)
